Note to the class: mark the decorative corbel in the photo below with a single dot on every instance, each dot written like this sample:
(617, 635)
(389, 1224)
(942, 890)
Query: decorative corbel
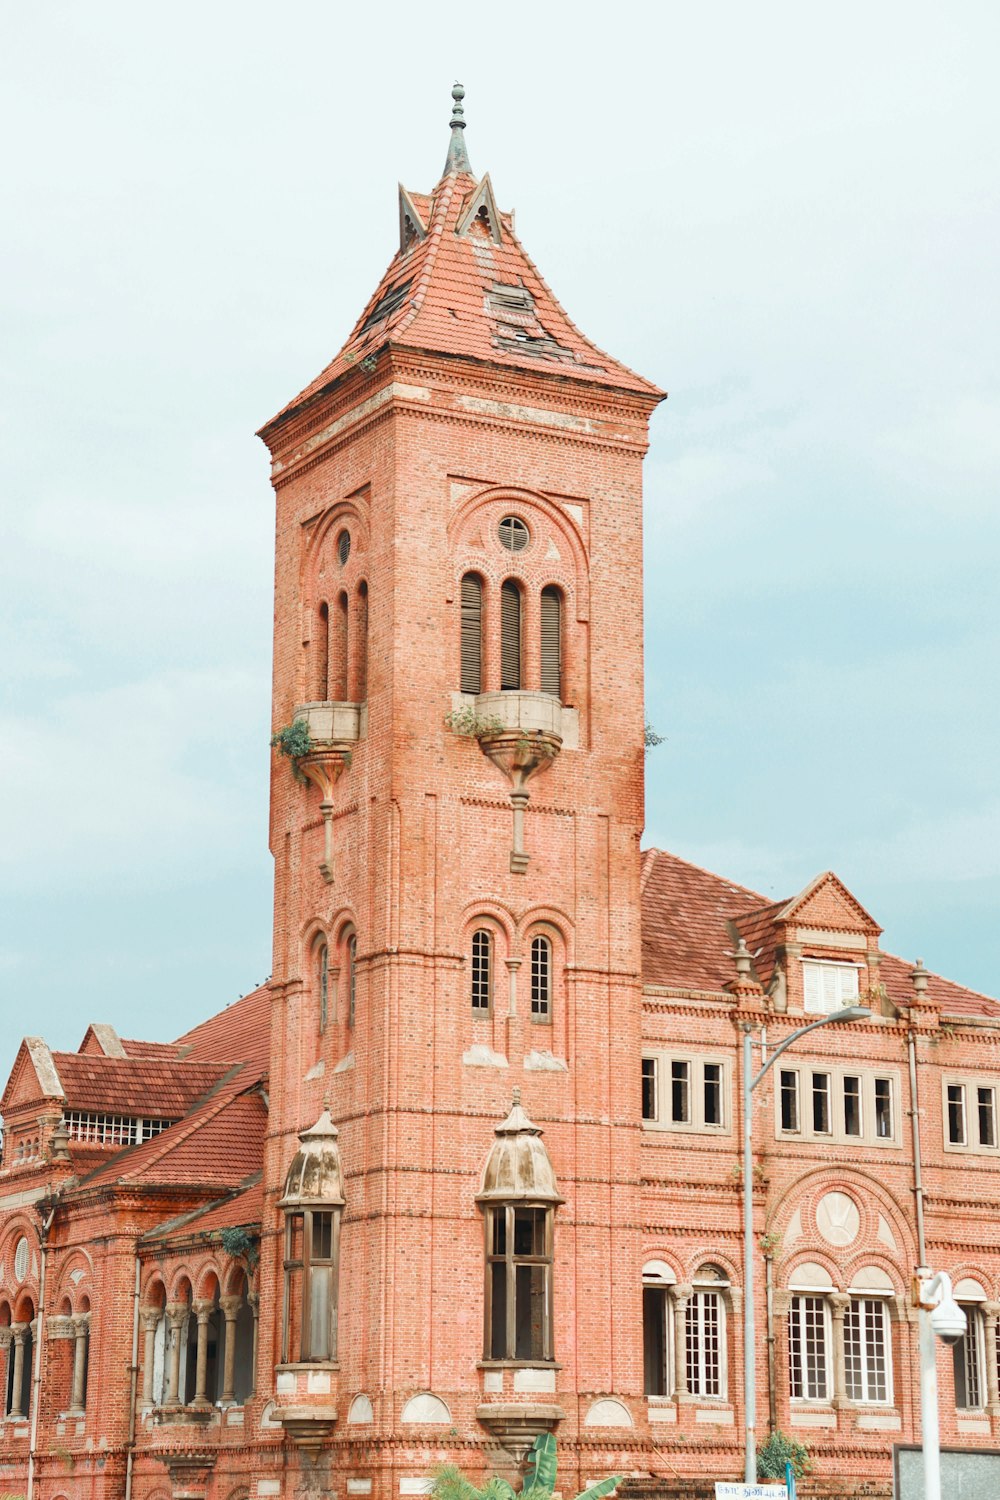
(520, 754)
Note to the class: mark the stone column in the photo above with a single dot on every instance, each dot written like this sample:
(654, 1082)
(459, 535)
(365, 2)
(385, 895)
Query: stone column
(230, 1307)
(177, 1313)
(203, 1311)
(254, 1300)
(681, 1296)
(19, 1332)
(6, 1343)
(839, 1303)
(81, 1333)
(150, 1317)
(991, 1314)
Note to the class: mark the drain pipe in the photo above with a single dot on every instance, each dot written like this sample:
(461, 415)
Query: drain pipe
(37, 1353)
(133, 1384)
(772, 1395)
(918, 1181)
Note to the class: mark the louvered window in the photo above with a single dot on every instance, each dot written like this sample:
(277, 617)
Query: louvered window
(472, 634)
(323, 984)
(338, 664)
(513, 534)
(344, 547)
(322, 654)
(510, 636)
(352, 978)
(482, 955)
(551, 642)
(363, 643)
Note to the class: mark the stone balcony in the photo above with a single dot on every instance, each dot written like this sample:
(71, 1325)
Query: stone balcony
(528, 712)
(334, 723)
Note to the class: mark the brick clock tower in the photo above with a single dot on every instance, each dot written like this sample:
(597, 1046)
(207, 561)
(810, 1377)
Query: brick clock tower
(451, 1258)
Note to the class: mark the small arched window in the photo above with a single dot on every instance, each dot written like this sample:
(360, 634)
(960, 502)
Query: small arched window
(321, 686)
(482, 971)
(362, 643)
(541, 979)
(551, 642)
(339, 664)
(352, 976)
(510, 637)
(471, 678)
(323, 982)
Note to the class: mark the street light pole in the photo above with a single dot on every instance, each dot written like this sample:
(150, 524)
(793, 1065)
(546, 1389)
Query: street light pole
(849, 1013)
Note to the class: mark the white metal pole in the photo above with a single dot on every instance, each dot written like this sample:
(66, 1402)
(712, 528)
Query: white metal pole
(749, 1339)
(929, 1429)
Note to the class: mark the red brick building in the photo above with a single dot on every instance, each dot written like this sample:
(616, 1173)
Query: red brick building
(467, 1167)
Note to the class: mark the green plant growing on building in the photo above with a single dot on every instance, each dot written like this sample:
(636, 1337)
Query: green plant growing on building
(773, 1455)
(538, 1484)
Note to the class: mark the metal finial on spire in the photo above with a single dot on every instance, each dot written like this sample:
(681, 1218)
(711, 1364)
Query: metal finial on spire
(458, 157)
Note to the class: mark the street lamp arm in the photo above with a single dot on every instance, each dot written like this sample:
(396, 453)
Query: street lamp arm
(849, 1013)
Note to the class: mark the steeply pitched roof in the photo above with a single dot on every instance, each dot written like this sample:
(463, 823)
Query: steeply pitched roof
(466, 286)
(134, 1086)
(240, 1033)
(689, 917)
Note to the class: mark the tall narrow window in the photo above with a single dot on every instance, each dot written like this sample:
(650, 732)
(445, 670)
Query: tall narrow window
(680, 1092)
(541, 979)
(363, 643)
(656, 1341)
(967, 1355)
(321, 686)
(482, 967)
(852, 1104)
(883, 1108)
(821, 1103)
(472, 635)
(551, 624)
(323, 983)
(789, 1099)
(510, 637)
(957, 1135)
(867, 1363)
(519, 1282)
(352, 977)
(712, 1094)
(808, 1345)
(649, 1101)
(986, 1107)
(339, 664)
(703, 1344)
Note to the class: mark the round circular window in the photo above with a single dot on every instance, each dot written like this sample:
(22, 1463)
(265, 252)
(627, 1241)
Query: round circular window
(513, 534)
(21, 1259)
(344, 546)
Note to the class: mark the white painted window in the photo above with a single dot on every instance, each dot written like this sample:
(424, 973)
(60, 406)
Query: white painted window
(809, 1349)
(969, 1362)
(969, 1107)
(685, 1092)
(705, 1322)
(848, 1105)
(867, 1351)
(828, 987)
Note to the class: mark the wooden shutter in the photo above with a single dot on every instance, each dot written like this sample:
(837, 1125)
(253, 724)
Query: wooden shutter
(338, 664)
(322, 686)
(510, 636)
(472, 634)
(363, 643)
(551, 642)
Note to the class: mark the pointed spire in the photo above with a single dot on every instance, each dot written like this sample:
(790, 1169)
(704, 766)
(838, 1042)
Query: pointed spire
(458, 158)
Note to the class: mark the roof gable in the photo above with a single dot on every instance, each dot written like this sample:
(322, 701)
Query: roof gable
(102, 1040)
(33, 1077)
(827, 903)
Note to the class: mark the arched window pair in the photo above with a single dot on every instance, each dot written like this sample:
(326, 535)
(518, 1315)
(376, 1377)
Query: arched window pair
(511, 637)
(348, 975)
(684, 1337)
(342, 677)
(482, 975)
(820, 1319)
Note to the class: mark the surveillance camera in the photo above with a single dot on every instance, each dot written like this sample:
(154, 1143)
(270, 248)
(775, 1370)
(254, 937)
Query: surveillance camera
(948, 1321)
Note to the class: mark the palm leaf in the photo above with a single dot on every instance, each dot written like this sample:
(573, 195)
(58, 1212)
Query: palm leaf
(541, 1469)
(451, 1484)
(603, 1487)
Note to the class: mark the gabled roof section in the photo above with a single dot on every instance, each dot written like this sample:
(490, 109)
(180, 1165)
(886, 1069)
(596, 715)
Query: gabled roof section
(102, 1039)
(134, 1086)
(826, 902)
(242, 1209)
(240, 1033)
(455, 246)
(32, 1078)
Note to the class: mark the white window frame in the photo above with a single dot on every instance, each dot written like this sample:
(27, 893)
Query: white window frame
(837, 1134)
(797, 1314)
(975, 1329)
(650, 1284)
(861, 1297)
(695, 1312)
(970, 1084)
(828, 985)
(696, 1062)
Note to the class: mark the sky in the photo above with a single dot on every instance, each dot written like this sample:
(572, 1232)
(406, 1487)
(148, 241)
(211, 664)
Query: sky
(787, 215)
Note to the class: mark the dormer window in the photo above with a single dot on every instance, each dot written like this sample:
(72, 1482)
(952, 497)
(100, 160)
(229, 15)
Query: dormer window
(828, 987)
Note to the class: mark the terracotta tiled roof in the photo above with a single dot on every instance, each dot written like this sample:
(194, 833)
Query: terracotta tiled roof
(689, 917)
(685, 911)
(444, 305)
(240, 1033)
(135, 1048)
(133, 1086)
(240, 1210)
(219, 1144)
